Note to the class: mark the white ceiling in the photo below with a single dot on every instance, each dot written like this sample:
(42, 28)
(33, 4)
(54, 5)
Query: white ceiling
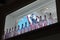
(29, 7)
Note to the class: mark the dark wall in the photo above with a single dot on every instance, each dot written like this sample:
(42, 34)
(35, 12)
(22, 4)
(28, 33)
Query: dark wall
(51, 37)
(13, 5)
(58, 9)
(2, 1)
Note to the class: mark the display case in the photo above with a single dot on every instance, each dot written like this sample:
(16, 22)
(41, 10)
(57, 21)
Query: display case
(37, 17)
